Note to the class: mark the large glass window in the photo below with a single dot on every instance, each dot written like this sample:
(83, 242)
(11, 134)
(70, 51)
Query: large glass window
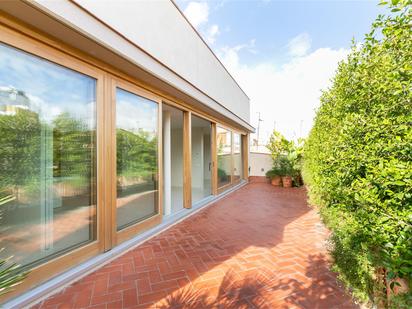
(201, 159)
(136, 142)
(172, 159)
(47, 157)
(237, 157)
(224, 156)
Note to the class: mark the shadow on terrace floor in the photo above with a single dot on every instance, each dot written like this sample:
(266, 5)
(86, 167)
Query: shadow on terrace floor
(258, 291)
(255, 246)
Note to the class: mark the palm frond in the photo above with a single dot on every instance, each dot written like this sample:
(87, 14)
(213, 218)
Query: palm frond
(11, 274)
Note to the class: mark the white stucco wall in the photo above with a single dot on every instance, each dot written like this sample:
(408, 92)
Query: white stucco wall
(200, 158)
(160, 29)
(148, 40)
(259, 163)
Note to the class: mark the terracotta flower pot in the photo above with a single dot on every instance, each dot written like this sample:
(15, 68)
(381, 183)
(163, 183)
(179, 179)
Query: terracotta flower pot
(287, 181)
(299, 180)
(276, 181)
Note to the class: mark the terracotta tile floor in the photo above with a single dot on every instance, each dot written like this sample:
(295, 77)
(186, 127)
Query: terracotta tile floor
(259, 247)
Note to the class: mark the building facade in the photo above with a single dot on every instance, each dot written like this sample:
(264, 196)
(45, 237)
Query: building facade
(116, 119)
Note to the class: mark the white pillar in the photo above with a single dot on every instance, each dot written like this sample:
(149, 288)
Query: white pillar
(202, 160)
(167, 163)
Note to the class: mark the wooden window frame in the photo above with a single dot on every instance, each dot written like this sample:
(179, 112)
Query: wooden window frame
(233, 156)
(22, 36)
(62, 262)
(128, 232)
(230, 184)
(213, 157)
(245, 155)
(244, 138)
(213, 138)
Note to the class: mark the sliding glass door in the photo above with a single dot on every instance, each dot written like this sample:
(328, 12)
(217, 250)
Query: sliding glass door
(224, 157)
(172, 159)
(47, 158)
(137, 190)
(201, 158)
(230, 158)
(89, 159)
(237, 157)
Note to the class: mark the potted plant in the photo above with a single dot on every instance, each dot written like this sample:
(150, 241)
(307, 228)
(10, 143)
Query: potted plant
(279, 148)
(286, 169)
(221, 174)
(275, 176)
(287, 181)
(295, 157)
(287, 159)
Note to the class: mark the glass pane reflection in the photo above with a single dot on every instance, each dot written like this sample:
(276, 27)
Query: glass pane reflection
(47, 157)
(237, 157)
(136, 142)
(201, 159)
(224, 156)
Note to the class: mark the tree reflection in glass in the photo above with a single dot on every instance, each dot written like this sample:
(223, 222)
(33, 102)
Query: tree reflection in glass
(47, 157)
(224, 156)
(237, 157)
(136, 144)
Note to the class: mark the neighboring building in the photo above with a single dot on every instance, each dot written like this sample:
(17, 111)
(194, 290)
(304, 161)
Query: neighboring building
(12, 100)
(126, 123)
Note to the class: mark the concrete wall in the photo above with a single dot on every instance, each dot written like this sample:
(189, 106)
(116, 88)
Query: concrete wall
(259, 163)
(160, 29)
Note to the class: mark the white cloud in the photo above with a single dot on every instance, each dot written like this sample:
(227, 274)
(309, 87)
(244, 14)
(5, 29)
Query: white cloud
(287, 95)
(230, 55)
(211, 34)
(299, 45)
(197, 13)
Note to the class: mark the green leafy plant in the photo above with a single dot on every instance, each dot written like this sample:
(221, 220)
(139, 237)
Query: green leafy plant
(358, 159)
(10, 275)
(222, 174)
(279, 145)
(281, 167)
(286, 155)
(285, 165)
(274, 172)
(295, 157)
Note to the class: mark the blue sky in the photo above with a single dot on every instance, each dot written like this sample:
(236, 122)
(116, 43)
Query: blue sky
(52, 89)
(282, 53)
(272, 24)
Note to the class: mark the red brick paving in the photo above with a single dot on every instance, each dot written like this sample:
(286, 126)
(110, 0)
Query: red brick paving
(259, 247)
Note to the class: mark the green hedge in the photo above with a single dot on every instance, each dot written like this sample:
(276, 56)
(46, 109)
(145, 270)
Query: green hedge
(358, 157)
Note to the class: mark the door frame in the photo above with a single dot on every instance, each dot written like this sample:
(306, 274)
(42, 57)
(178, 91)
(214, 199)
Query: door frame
(128, 232)
(213, 183)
